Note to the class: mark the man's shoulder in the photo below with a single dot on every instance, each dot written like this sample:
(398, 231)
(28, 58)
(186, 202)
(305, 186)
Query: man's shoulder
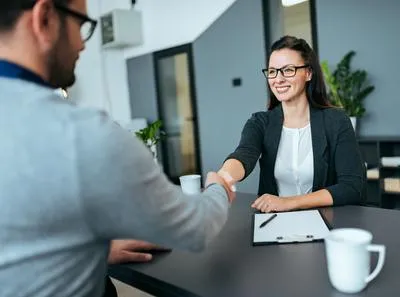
(49, 111)
(86, 116)
(81, 118)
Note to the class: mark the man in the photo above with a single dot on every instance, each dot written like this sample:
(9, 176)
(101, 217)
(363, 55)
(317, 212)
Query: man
(70, 179)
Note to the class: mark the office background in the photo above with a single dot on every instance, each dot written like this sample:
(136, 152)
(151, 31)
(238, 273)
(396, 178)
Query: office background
(228, 41)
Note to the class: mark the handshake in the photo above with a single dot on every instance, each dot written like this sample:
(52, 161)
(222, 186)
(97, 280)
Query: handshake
(223, 178)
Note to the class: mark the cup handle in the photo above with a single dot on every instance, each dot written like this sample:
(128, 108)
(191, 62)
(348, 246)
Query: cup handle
(381, 249)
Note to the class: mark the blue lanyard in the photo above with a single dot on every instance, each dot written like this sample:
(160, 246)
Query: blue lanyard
(11, 70)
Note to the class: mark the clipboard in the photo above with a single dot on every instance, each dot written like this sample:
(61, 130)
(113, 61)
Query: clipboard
(289, 227)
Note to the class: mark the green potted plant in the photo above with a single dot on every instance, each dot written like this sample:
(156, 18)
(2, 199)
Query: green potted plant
(150, 136)
(347, 88)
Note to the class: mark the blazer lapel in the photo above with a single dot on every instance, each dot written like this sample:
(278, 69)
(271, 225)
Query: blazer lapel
(273, 138)
(319, 144)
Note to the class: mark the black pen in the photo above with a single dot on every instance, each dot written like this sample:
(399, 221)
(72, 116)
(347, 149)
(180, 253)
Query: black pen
(269, 220)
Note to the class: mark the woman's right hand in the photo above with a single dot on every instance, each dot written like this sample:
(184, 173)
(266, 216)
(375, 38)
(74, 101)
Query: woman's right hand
(213, 177)
(228, 179)
(232, 171)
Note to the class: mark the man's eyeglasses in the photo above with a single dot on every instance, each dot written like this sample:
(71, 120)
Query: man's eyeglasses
(287, 71)
(88, 25)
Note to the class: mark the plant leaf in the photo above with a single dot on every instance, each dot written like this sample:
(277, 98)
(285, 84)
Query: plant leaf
(347, 88)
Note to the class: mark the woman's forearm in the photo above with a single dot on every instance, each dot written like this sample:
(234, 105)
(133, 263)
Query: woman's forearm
(234, 168)
(319, 198)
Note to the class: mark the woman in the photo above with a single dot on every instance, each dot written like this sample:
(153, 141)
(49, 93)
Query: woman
(309, 154)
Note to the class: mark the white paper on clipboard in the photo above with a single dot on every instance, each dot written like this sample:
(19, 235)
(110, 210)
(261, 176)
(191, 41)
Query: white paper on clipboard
(294, 226)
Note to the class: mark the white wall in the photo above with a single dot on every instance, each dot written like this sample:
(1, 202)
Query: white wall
(102, 75)
(175, 22)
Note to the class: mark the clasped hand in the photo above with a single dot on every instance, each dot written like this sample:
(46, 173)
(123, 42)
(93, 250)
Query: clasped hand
(213, 177)
(271, 203)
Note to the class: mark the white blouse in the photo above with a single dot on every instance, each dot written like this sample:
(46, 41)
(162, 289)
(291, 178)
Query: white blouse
(294, 166)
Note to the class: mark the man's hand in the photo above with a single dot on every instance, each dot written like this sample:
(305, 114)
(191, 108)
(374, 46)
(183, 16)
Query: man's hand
(123, 251)
(213, 177)
(268, 203)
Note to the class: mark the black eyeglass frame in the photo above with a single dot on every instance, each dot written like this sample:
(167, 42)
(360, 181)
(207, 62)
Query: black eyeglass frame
(265, 71)
(80, 16)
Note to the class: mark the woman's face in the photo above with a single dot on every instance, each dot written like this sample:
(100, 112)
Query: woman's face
(290, 85)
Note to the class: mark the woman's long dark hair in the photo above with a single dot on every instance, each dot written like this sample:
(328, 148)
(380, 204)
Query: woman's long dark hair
(315, 88)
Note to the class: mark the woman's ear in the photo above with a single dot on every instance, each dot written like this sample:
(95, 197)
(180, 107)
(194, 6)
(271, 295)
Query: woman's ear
(309, 74)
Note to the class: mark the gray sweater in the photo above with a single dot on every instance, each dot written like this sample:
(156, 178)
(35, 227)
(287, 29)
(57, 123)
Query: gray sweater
(70, 181)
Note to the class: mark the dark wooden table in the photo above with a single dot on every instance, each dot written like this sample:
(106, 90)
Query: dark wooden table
(232, 267)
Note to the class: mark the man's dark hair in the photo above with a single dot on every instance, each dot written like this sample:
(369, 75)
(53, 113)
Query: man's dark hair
(11, 10)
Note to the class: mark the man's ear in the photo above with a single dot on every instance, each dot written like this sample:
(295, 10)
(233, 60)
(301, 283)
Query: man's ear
(45, 24)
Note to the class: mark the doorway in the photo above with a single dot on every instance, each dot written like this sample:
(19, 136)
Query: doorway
(175, 88)
(290, 17)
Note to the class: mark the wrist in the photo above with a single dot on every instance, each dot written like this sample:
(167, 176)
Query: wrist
(293, 203)
(209, 185)
(229, 180)
(224, 187)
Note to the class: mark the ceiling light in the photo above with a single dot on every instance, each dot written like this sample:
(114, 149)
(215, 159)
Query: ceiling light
(287, 3)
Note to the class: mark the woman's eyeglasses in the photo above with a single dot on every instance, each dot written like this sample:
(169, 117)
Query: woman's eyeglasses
(287, 71)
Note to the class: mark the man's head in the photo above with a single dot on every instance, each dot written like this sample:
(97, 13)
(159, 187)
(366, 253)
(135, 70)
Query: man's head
(45, 36)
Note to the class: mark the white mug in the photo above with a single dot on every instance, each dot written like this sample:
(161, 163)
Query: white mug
(348, 257)
(191, 184)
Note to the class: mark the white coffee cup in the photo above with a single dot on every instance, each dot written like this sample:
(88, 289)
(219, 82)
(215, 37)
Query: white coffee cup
(348, 257)
(191, 184)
